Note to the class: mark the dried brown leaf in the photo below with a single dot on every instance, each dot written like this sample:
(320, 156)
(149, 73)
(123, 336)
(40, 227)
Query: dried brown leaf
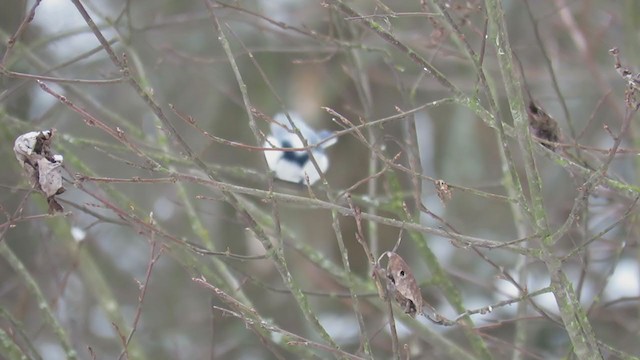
(407, 292)
(543, 126)
(40, 165)
(443, 191)
(49, 176)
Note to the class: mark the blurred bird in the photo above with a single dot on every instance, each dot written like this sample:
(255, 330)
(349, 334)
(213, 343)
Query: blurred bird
(293, 165)
(543, 126)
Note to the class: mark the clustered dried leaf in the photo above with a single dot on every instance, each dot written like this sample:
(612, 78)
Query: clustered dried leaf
(543, 126)
(443, 191)
(403, 285)
(41, 166)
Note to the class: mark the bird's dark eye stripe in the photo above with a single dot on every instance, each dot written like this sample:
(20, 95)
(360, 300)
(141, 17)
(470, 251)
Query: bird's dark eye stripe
(298, 157)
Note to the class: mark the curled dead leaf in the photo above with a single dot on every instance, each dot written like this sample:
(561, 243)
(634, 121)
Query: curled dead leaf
(403, 285)
(443, 191)
(40, 165)
(49, 176)
(543, 126)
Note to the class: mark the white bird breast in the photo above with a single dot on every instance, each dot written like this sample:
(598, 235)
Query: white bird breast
(294, 165)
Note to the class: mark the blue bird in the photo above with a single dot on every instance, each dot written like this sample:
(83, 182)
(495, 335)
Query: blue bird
(293, 165)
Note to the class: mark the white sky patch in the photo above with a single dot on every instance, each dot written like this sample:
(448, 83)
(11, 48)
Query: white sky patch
(343, 329)
(506, 291)
(625, 281)
(280, 10)
(276, 337)
(163, 209)
(78, 234)
(41, 101)
(52, 350)
(99, 323)
(402, 330)
(54, 17)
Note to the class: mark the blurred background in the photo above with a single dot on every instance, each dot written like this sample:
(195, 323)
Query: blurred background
(144, 197)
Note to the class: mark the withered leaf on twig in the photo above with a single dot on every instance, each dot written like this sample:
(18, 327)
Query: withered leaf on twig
(443, 190)
(543, 126)
(405, 288)
(41, 166)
